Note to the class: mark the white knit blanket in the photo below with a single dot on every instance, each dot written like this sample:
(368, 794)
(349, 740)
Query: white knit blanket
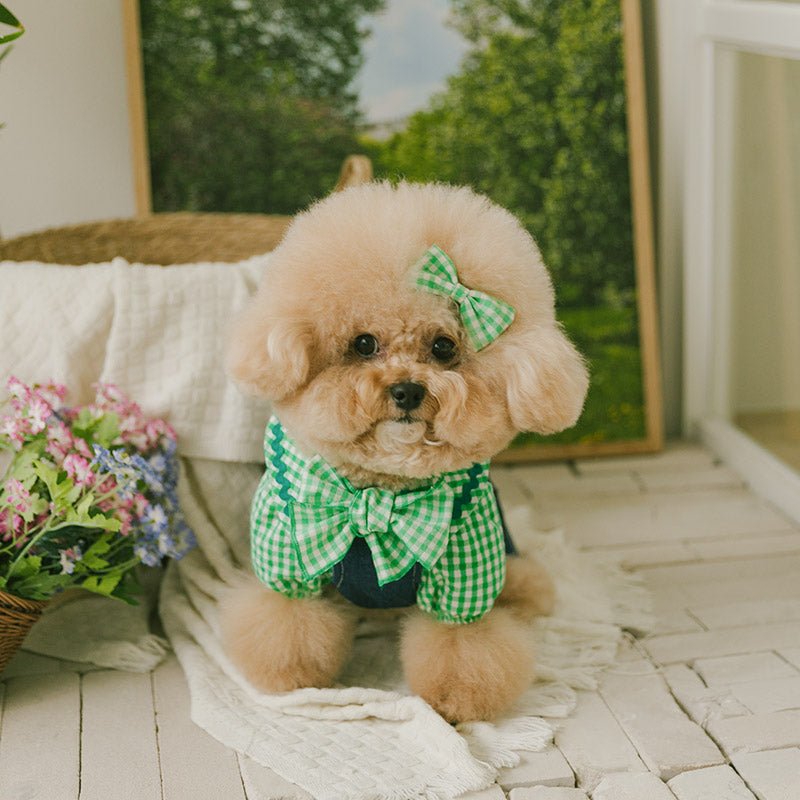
(368, 737)
(158, 333)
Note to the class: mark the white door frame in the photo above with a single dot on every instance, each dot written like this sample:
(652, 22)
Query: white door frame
(752, 26)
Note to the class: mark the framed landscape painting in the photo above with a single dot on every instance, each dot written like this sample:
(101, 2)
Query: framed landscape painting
(252, 106)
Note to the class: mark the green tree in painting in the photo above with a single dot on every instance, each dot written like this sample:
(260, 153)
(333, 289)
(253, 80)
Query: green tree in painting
(536, 120)
(248, 101)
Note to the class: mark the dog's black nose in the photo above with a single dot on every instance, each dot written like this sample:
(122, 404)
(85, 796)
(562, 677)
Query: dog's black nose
(407, 395)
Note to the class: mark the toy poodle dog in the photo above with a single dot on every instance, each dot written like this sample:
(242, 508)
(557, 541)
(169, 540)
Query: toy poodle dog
(404, 335)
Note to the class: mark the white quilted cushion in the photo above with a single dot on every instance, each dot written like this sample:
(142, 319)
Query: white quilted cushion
(54, 323)
(156, 332)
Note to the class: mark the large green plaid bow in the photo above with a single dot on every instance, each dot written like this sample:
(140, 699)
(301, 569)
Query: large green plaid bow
(484, 317)
(400, 529)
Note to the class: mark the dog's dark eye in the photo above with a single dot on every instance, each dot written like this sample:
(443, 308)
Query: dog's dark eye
(443, 348)
(365, 345)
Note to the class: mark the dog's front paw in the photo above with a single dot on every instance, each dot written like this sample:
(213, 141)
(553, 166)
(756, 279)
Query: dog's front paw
(281, 644)
(468, 672)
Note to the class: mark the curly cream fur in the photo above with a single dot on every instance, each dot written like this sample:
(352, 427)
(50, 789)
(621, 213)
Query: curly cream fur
(342, 270)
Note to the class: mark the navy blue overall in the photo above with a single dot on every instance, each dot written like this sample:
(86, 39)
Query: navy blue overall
(355, 577)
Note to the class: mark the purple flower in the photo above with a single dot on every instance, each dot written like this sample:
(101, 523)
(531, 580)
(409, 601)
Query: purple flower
(155, 519)
(68, 559)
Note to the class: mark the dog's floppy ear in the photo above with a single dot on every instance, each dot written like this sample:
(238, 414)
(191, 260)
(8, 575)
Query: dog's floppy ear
(268, 356)
(546, 381)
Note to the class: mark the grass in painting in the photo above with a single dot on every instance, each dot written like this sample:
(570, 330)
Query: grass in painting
(614, 410)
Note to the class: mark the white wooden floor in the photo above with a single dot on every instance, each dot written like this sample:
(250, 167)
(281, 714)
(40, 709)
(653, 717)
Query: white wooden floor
(706, 708)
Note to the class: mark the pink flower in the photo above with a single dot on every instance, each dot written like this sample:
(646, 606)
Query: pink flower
(11, 526)
(157, 428)
(20, 394)
(140, 504)
(110, 399)
(13, 429)
(131, 434)
(107, 486)
(109, 396)
(52, 393)
(40, 411)
(78, 469)
(126, 518)
(59, 441)
(17, 496)
(81, 447)
(132, 427)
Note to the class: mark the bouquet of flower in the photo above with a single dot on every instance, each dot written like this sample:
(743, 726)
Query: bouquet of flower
(90, 492)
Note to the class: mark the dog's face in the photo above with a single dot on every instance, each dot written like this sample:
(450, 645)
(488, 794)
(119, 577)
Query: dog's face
(378, 376)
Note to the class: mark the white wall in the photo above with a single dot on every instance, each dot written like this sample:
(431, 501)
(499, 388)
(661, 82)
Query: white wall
(65, 151)
(765, 233)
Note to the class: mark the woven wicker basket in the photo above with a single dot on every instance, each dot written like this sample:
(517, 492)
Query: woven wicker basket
(167, 238)
(17, 617)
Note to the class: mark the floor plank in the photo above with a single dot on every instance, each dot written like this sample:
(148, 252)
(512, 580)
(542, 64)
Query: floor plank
(773, 775)
(719, 783)
(685, 647)
(666, 739)
(193, 763)
(40, 742)
(119, 757)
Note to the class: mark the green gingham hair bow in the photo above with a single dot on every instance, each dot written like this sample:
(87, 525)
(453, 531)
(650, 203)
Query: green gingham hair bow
(484, 317)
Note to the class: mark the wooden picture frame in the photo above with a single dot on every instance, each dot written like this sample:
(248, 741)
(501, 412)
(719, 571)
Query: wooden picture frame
(644, 264)
(136, 107)
(642, 220)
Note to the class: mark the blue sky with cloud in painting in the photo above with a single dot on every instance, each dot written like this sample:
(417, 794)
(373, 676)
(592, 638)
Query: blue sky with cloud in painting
(408, 57)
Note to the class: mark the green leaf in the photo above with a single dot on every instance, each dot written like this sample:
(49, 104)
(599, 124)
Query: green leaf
(104, 585)
(38, 504)
(8, 18)
(72, 495)
(21, 467)
(107, 429)
(92, 563)
(101, 430)
(102, 545)
(30, 565)
(84, 420)
(91, 558)
(49, 476)
(92, 520)
(85, 505)
(9, 37)
(41, 586)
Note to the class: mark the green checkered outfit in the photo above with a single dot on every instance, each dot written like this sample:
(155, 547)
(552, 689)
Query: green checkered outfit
(484, 317)
(305, 516)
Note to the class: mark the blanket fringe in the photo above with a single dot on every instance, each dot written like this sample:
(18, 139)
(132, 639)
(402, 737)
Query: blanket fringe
(499, 743)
